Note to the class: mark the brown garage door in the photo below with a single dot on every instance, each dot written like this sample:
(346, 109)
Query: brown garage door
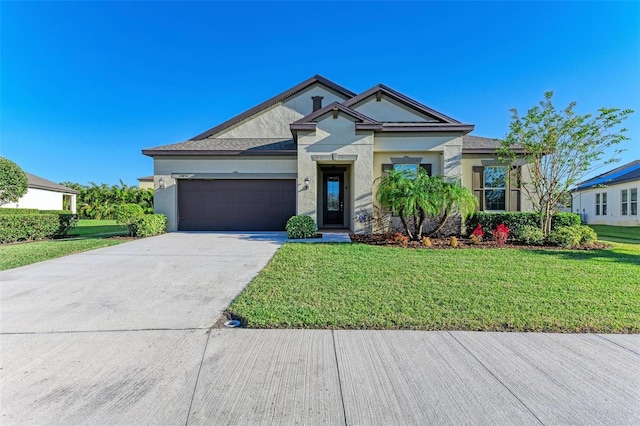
(235, 205)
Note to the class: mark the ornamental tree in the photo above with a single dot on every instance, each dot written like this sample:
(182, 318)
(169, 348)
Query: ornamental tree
(560, 148)
(13, 181)
(415, 196)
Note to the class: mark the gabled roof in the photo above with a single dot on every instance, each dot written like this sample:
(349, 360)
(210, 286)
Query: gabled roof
(278, 98)
(227, 146)
(309, 122)
(146, 179)
(397, 96)
(625, 173)
(37, 182)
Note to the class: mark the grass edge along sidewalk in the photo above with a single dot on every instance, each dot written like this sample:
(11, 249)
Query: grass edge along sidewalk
(87, 235)
(355, 286)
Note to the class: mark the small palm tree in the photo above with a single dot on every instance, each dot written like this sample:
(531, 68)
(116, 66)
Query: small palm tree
(415, 196)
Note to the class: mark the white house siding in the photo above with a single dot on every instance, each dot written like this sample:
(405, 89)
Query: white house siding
(40, 199)
(584, 204)
(389, 110)
(169, 169)
(275, 120)
(336, 137)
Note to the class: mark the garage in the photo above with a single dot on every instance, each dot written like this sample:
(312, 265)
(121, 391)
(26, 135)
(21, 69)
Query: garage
(235, 205)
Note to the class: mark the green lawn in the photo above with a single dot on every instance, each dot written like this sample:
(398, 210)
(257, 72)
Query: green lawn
(360, 286)
(617, 233)
(88, 235)
(88, 227)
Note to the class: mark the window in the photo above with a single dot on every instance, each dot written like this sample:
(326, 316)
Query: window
(413, 168)
(633, 196)
(497, 188)
(601, 204)
(624, 202)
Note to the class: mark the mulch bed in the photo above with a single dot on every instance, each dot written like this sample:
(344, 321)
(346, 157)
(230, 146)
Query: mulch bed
(463, 243)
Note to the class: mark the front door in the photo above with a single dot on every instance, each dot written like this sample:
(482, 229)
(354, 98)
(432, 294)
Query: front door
(333, 198)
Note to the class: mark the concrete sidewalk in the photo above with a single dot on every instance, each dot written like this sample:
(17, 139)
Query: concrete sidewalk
(122, 335)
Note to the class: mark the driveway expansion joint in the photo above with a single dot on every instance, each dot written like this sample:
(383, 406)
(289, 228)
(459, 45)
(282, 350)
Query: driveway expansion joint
(335, 353)
(617, 344)
(115, 330)
(195, 386)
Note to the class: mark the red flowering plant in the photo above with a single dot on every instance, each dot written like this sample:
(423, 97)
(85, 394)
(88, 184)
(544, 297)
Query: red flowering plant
(477, 234)
(500, 234)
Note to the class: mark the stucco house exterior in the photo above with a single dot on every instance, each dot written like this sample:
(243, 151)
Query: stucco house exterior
(145, 182)
(610, 198)
(317, 149)
(42, 194)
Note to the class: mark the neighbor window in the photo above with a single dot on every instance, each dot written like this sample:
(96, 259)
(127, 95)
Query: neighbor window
(624, 202)
(633, 196)
(601, 204)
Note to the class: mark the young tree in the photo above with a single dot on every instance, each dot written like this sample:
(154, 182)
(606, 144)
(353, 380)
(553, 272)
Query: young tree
(13, 181)
(414, 196)
(560, 148)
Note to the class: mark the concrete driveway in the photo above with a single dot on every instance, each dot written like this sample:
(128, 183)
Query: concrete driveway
(121, 336)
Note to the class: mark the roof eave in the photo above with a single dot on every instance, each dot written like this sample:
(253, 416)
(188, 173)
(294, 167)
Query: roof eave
(197, 152)
(465, 128)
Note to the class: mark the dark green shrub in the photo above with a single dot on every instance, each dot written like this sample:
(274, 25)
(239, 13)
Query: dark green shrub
(531, 235)
(128, 214)
(150, 225)
(565, 219)
(301, 226)
(19, 211)
(67, 220)
(54, 211)
(587, 235)
(566, 236)
(518, 220)
(21, 227)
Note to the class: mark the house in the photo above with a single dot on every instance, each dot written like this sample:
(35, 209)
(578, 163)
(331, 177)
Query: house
(145, 182)
(610, 198)
(317, 149)
(42, 194)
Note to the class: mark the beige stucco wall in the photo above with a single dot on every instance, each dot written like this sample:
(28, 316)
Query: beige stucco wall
(389, 110)
(166, 200)
(275, 121)
(336, 137)
(38, 199)
(145, 184)
(584, 204)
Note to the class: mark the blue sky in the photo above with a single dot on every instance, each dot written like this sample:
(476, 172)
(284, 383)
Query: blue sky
(86, 86)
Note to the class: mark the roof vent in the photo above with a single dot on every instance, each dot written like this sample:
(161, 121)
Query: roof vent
(317, 102)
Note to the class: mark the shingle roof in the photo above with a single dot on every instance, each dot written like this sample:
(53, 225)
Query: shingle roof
(479, 145)
(625, 173)
(146, 179)
(37, 182)
(227, 146)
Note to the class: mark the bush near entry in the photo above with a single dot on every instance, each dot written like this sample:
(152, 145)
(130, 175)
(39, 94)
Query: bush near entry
(29, 227)
(149, 225)
(301, 226)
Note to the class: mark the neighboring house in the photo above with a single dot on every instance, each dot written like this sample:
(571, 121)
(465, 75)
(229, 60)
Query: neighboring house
(42, 194)
(317, 149)
(610, 198)
(145, 182)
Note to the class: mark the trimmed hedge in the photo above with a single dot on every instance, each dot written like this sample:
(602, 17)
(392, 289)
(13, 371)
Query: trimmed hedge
(516, 221)
(18, 211)
(150, 225)
(301, 226)
(55, 212)
(30, 227)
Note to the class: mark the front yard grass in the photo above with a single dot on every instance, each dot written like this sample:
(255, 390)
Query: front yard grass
(617, 233)
(88, 235)
(360, 286)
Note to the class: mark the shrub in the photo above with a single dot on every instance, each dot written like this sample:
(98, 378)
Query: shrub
(128, 214)
(13, 181)
(149, 225)
(301, 226)
(587, 235)
(500, 234)
(401, 239)
(21, 227)
(18, 211)
(67, 220)
(477, 234)
(516, 221)
(566, 236)
(531, 235)
(475, 239)
(453, 242)
(426, 241)
(565, 219)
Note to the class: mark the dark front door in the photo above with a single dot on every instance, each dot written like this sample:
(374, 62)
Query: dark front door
(333, 198)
